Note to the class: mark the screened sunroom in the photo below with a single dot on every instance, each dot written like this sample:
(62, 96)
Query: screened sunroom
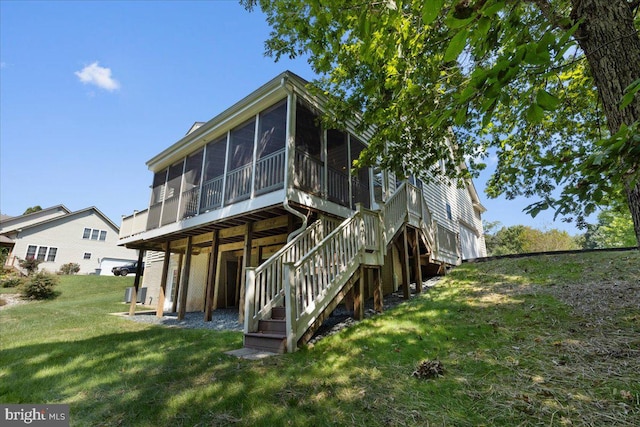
(256, 154)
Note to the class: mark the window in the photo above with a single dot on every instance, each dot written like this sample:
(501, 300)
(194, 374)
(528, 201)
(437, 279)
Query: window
(87, 255)
(449, 215)
(41, 253)
(94, 234)
(31, 252)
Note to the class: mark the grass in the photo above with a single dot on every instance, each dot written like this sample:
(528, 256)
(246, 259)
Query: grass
(551, 340)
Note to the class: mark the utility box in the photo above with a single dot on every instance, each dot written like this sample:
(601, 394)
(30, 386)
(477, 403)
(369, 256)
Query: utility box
(141, 297)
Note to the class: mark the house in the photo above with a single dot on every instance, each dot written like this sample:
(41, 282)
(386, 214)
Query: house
(257, 210)
(57, 236)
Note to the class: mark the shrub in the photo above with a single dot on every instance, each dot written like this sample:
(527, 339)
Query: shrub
(10, 281)
(40, 286)
(70, 268)
(30, 264)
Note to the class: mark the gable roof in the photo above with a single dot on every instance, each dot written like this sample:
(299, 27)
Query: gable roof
(66, 216)
(8, 224)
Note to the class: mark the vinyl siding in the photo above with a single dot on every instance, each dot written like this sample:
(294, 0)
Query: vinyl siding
(65, 234)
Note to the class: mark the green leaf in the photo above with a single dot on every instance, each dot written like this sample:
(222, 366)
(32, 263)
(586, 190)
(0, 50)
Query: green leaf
(491, 9)
(430, 10)
(630, 92)
(452, 22)
(456, 45)
(546, 100)
(461, 116)
(535, 114)
(597, 195)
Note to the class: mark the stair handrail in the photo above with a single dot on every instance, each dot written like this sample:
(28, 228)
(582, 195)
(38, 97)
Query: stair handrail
(315, 279)
(264, 288)
(394, 212)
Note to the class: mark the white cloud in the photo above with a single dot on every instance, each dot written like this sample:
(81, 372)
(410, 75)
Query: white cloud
(99, 76)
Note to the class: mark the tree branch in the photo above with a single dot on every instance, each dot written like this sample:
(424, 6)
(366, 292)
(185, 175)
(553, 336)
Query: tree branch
(634, 4)
(554, 18)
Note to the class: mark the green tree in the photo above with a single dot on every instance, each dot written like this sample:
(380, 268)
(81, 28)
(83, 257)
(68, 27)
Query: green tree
(614, 229)
(508, 240)
(32, 209)
(550, 85)
(520, 239)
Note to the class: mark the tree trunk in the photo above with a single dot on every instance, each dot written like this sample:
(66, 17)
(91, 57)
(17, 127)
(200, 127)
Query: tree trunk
(633, 199)
(611, 45)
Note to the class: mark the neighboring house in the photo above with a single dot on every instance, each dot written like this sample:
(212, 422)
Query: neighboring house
(57, 236)
(256, 209)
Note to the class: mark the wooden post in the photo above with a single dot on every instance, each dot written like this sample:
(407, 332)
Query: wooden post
(136, 283)
(406, 274)
(249, 305)
(358, 296)
(290, 302)
(378, 304)
(211, 277)
(176, 287)
(417, 263)
(163, 280)
(184, 287)
(246, 255)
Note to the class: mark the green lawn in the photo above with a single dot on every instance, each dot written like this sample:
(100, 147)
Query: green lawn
(553, 340)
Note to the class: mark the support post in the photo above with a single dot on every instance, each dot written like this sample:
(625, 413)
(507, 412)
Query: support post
(378, 304)
(211, 277)
(246, 262)
(290, 303)
(417, 263)
(176, 288)
(249, 305)
(406, 274)
(358, 296)
(184, 287)
(136, 283)
(163, 280)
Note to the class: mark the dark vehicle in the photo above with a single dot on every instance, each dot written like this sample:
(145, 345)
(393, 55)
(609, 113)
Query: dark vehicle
(123, 270)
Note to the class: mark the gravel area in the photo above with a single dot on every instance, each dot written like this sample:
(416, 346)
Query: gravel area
(11, 300)
(227, 318)
(223, 319)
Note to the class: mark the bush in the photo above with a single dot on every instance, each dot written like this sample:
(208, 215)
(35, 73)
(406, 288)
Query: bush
(70, 268)
(30, 264)
(40, 286)
(10, 281)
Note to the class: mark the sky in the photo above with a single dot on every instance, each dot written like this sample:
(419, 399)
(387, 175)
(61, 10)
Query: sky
(89, 91)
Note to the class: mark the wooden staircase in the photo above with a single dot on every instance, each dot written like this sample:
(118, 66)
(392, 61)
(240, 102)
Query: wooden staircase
(271, 335)
(289, 295)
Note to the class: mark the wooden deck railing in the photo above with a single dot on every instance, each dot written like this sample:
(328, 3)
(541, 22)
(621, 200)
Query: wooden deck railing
(308, 273)
(312, 282)
(211, 197)
(238, 186)
(189, 203)
(270, 172)
(264, 284)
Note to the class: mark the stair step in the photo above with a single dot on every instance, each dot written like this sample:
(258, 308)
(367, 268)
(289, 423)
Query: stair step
(278, 313)
(272, 326)
(274, 343)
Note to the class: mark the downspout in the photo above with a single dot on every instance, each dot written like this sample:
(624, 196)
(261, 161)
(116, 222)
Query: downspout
(290, 121)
